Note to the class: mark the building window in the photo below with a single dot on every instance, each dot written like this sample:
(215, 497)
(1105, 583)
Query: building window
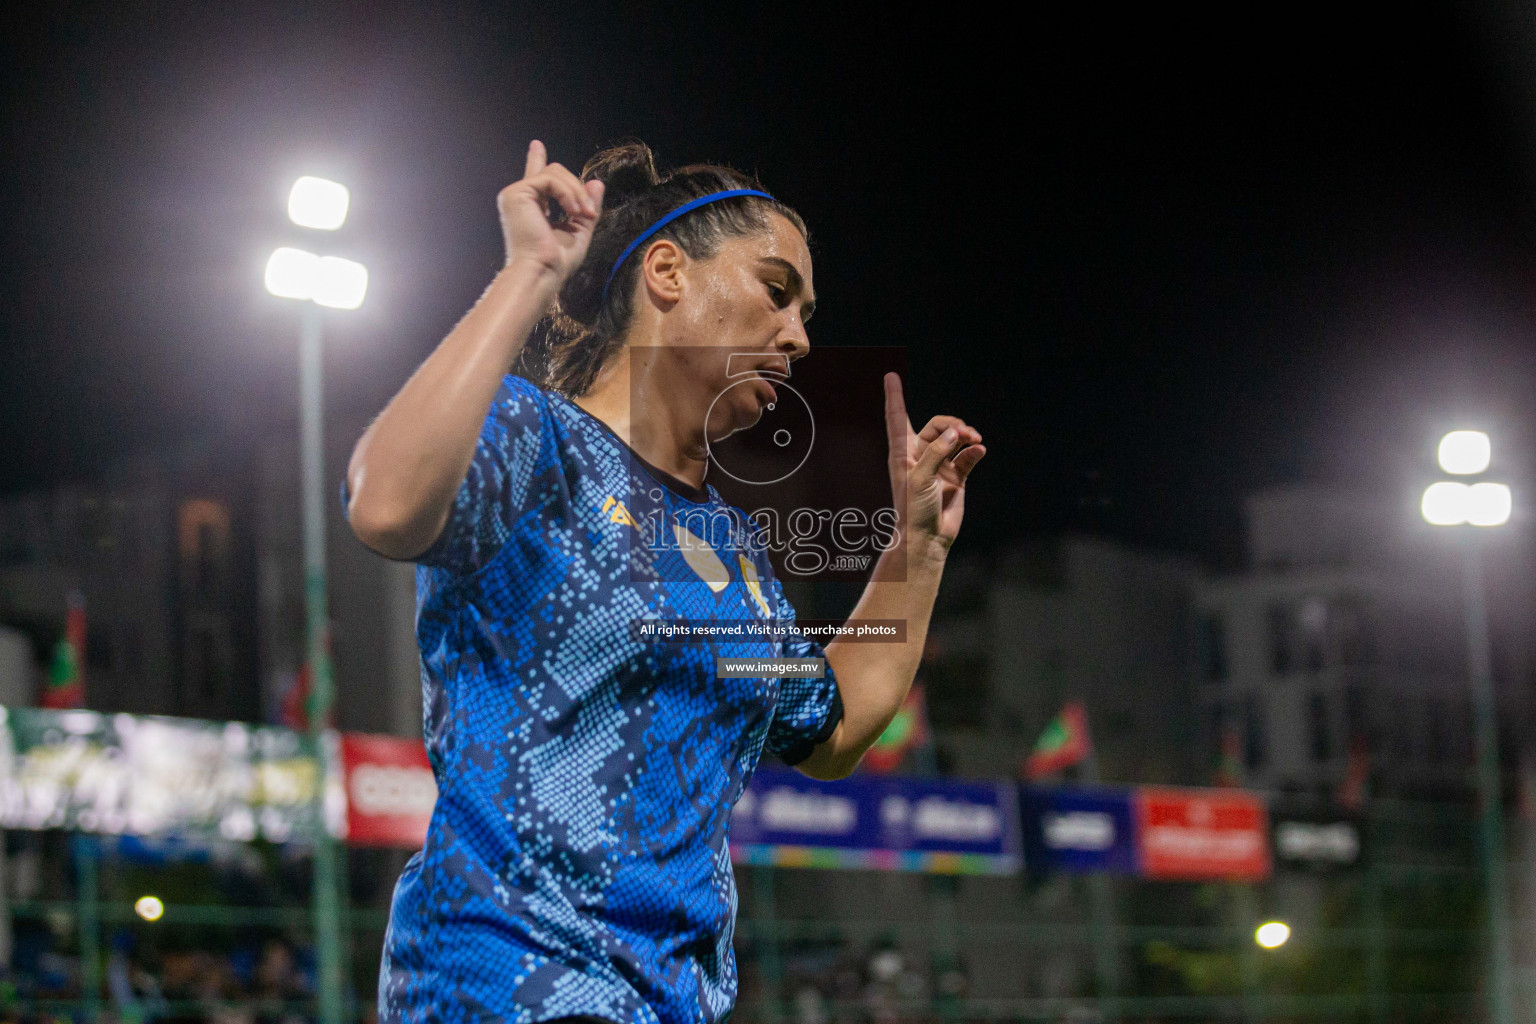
(203, 542)
(1211, 638)
(209, 544)
(1351, 636)
(1278, 618)
(1319, 726)
(205, 669)
(1313, 620)
(1255, 750)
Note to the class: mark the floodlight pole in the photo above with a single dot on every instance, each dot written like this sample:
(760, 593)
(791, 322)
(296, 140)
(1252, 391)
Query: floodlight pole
(88, 908)
(1105, 930)
(1486, 732)
(327, 904)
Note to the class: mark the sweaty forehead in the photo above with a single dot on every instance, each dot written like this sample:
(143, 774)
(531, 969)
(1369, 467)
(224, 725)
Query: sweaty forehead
(783, 240)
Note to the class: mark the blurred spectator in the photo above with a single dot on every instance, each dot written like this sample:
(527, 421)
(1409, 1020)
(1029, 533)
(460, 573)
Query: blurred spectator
(881, 998)
(134, 992)
(278, 983)
(810, 1005)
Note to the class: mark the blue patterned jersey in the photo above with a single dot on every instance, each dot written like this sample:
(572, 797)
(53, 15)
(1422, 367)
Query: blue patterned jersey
(576, 863)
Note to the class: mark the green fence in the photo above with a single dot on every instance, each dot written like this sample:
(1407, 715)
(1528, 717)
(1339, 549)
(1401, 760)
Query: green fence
(1401, 938)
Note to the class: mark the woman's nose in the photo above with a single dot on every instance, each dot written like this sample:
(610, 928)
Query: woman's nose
(793, 341)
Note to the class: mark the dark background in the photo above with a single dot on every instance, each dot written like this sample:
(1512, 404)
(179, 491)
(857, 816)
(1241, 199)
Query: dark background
(1158, 259)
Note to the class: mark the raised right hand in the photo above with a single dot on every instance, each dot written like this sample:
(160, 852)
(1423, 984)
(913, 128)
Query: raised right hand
(531, 236)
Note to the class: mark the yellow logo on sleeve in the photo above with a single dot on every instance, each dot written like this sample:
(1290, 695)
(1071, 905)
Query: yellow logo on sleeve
(618, 513)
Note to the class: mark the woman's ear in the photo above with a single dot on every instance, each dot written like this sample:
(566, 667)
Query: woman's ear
(663, 271)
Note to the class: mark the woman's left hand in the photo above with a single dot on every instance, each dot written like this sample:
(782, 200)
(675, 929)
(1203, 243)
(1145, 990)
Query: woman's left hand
(927, 476)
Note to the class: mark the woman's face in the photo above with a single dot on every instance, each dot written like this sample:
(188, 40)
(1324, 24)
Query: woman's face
(739, 314)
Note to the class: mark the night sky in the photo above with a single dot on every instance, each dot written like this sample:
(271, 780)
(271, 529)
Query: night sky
(1158, 259)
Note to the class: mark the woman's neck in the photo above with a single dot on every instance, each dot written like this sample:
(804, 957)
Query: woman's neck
(633, 401)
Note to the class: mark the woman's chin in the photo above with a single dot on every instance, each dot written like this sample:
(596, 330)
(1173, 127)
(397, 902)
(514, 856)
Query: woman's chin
(740, 418)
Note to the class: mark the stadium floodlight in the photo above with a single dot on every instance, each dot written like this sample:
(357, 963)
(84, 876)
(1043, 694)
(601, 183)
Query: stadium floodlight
(150, 908)
(1489, 504)
(1451, 504)
(1464, 452)
(1272, 934)
(1445, 503)
(339, 283)
(336, 283)
(291, 273)
(318, 203)
(326, 280)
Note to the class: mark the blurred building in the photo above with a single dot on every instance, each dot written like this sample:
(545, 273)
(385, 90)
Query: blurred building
(1049, 620)
(1347, 629)
(18, 668)
(159, 551)
(1346, 622)
(191, 565)
(1015, 634)
(372, 599)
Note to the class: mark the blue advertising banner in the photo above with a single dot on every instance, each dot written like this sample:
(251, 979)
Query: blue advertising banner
(885, 822)
(1079, 830)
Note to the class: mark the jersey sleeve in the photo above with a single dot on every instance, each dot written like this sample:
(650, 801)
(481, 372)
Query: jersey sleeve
(808, 710)
(515, 440)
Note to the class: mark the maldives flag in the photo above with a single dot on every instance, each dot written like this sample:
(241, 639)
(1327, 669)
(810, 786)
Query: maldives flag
(907, 730)
(1355, 786)
(297, 699)
(1064, 743)
(66, 675)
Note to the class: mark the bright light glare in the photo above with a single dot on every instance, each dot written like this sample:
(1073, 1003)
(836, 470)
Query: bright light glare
(149, 908)
(291, 273)
(1445, 503)
(1489, 504)
(339, 283)
(1272, 935)
(1465, 451)
(1451, 504)
(317, 203)
(328, 280)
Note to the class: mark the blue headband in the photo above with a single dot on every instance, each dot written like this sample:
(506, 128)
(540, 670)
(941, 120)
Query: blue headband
(669, 218)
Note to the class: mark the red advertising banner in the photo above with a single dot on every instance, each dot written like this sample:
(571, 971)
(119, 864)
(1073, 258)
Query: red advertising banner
(390, 790)
(1201, 833)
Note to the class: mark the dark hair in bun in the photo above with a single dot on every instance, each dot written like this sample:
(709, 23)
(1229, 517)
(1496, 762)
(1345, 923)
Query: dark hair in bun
(588, 329)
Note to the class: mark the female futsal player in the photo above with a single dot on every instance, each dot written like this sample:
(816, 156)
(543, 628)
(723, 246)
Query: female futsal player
(576, 864)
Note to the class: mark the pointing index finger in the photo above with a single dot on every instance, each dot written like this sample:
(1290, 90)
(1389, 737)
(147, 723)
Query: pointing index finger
(537, 158)
(897, 425)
